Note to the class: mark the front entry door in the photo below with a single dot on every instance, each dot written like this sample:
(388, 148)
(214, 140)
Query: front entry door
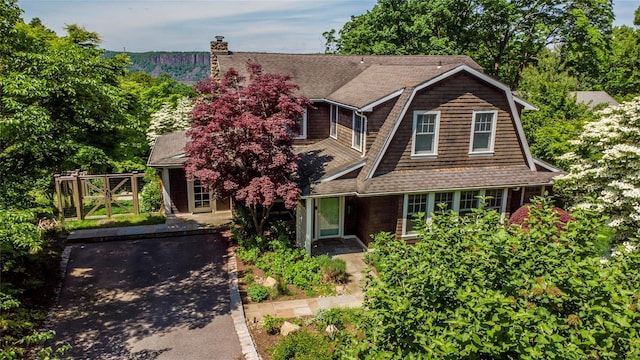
(329, 217)
(201, 198)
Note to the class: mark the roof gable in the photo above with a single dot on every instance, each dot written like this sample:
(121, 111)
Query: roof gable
(385, 138)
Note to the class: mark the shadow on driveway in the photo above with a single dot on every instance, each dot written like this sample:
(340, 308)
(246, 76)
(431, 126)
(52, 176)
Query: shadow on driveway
(162, 298)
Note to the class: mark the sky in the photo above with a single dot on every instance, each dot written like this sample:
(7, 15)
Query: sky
(286, 26)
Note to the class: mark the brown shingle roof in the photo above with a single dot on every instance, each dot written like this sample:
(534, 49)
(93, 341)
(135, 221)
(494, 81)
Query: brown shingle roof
(320, 75)
(168, 150)
(450, 179)
(323, 159)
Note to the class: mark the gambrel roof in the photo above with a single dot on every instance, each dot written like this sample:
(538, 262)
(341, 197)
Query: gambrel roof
(361, 83)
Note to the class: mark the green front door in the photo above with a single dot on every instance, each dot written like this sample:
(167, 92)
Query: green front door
(328, 220)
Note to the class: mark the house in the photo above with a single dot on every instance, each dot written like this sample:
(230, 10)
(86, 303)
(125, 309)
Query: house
(594, 98)
(388, 137)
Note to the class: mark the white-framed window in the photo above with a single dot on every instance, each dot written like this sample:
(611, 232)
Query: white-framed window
(468, 201)
(333, 121)
(301, 124)
(483, 132)
(493, 199)
(357, 137)
(461, 202)
(425, 133)
(415, 204)
(443, 202)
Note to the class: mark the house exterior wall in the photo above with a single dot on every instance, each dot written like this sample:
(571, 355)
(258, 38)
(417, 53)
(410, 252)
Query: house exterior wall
(456, 98)
(376, 118)
(318, 121)
(345, 120)
(377, 214)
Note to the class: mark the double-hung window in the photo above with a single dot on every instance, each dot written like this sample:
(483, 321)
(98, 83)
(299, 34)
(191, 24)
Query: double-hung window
(483, 132)
(425, 133)
(333, 121)
(357, 137)
(416, 204)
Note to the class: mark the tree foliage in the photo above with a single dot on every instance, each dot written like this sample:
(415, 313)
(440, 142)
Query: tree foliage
(170, 118)
(605, 171)
(504, 36)
(241, 143)
(559, 117)
(473, 289)
(621, 78)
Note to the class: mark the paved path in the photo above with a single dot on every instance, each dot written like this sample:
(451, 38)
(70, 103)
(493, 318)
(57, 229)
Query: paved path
(148, 299)
(303, 307)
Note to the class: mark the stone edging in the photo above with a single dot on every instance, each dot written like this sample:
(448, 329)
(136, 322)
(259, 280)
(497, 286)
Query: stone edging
(237, 311)
(64, 262)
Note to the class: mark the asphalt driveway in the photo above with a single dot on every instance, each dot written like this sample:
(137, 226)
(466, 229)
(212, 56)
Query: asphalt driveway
(165, 298)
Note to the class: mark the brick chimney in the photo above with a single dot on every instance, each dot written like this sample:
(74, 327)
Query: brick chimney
(218, 48)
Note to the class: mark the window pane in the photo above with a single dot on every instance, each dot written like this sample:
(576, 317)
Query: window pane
(424, 143)
(415, 204)
(493, 199)
(445, 199)
(481, 141)
(468, 201)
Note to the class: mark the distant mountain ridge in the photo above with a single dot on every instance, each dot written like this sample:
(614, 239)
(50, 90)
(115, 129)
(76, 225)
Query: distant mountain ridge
(187, 67)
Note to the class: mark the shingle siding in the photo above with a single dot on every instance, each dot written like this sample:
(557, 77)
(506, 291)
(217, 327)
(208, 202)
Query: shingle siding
(456, 98)
(318, 121)
(377, 214)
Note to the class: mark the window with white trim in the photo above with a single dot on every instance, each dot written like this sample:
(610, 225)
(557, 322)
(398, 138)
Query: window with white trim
(461, 202)
(443, 202)
(333, 121)
(301, 127)
(493, 199)
(425, 133)
(357, 137)
(468, 201)
(416, 204)
(483, 132)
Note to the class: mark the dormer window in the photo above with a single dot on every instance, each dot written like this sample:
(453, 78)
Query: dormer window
(357, 137)
(483, 132)
(425, 133)
(333, 121)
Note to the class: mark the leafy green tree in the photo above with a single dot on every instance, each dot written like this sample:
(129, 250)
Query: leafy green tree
(621, 78)
(473, 289)
(559, 117)
(504, 36)
(61, 106)
(605, 171)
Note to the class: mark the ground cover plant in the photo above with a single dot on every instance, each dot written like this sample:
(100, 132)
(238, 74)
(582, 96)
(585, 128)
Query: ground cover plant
(472, 288)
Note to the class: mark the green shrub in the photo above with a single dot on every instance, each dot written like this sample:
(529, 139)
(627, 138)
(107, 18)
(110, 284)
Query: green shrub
(151, 194)
(258, 292)
(326, 317)
(473, 289)
(333, 270)
(248, 256)
(249, 279)
(302, 345)
(272, 324)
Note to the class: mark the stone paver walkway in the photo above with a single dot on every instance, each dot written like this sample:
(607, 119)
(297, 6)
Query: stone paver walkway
(304, 307)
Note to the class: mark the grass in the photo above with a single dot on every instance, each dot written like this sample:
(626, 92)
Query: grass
(115, 221)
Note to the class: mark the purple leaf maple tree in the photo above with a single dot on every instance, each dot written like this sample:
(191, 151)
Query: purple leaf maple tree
(241, 140)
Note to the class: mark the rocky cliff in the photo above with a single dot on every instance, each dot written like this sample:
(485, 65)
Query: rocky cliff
(188, 67)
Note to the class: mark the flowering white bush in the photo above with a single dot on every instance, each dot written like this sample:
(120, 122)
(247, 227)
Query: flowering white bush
(605, 171)
(169, 119)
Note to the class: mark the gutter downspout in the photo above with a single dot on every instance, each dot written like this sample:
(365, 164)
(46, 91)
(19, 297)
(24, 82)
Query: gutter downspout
(364, 131)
